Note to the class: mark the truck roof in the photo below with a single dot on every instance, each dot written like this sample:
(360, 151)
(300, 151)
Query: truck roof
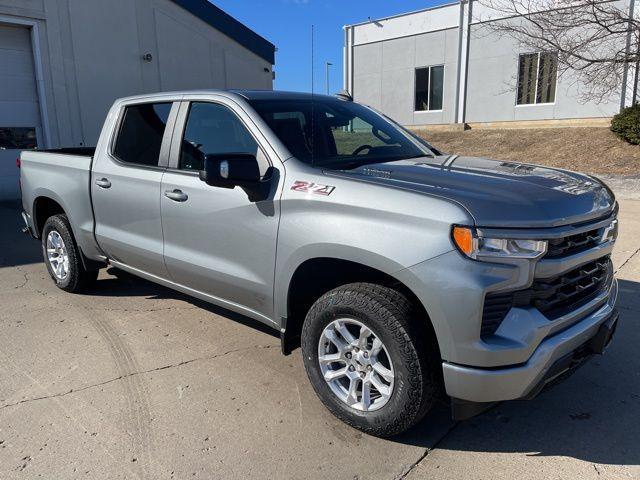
(276, 95)
(247, 94)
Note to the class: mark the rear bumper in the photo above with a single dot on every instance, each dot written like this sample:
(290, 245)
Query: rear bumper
(553, 357)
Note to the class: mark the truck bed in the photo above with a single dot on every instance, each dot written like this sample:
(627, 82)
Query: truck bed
(81, 151)
(63, 176)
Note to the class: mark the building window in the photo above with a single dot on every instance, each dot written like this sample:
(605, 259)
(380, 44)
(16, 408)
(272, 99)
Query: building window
(429, 88)
(537, 75)
(17, 138)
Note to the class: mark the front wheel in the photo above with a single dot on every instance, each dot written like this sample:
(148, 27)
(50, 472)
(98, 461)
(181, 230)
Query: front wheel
(366, 360)
(62, 256)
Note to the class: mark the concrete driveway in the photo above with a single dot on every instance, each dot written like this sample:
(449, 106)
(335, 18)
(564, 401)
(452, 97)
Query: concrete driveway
(137, 381)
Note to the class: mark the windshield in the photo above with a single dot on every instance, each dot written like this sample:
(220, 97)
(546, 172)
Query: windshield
(337, 134)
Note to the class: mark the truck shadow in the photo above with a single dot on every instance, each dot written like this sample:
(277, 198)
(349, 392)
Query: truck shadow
(16, 248)
(123, 284)
(593, 416)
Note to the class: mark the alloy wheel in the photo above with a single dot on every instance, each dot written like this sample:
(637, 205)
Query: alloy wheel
(355, 364)
(57, 255)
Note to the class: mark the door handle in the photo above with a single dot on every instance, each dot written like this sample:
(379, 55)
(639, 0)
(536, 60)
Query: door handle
(103, 183)
(176, 195)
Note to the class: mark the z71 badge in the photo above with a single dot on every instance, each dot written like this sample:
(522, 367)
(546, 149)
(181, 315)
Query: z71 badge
(310, 187)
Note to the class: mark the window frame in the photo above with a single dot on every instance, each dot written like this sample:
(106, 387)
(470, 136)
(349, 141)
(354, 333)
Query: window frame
(415, 85)
(182, 118)
(163, 156)
(555, 87)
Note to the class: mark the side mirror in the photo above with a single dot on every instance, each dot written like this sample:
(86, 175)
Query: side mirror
(230, 170)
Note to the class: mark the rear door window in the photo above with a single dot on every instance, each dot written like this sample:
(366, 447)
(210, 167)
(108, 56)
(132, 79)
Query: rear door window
(141, 131)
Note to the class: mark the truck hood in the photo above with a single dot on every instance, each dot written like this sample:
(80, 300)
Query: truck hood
(497, 193)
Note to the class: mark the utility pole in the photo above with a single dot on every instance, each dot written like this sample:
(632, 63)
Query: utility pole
(327, 65)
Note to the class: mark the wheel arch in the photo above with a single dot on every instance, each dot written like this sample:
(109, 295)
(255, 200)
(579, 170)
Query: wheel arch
(44, 206)
(315, 276)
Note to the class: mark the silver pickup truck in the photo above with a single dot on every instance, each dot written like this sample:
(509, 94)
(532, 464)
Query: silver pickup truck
(405, 275)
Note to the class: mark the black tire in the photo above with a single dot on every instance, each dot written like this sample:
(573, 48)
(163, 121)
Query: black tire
(390, 315)
(78, 279)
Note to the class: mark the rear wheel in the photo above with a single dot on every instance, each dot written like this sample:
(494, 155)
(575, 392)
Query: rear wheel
(366, 360)
(62, 256)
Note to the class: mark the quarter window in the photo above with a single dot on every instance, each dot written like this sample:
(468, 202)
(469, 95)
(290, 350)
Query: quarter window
(141, 131)
(429, 88)
(537, 76)
(213, 129)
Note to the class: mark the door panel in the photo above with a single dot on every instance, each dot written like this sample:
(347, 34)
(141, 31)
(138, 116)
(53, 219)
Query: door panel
(220, 243)
(126, 189)
(128, 225)
(217, 241)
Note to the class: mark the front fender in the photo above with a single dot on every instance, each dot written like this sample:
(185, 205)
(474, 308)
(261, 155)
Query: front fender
(350, 253)
(376, 226)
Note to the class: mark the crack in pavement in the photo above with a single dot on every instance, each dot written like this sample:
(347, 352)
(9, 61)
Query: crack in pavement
(424, 455)
(142, 310)
(4, 263)
(26, 280)
(627, 260)
(143, 372)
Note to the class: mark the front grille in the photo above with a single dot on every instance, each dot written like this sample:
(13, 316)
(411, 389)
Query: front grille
(558, 296)
(559, 247)
(553, 297)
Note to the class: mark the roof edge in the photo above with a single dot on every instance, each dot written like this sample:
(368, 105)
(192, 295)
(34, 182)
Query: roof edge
(405, 14)
(236, 30)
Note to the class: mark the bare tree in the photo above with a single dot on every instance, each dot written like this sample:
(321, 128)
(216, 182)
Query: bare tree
(598, 40)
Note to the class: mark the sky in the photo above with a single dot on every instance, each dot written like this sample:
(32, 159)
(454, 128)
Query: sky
(287, 24)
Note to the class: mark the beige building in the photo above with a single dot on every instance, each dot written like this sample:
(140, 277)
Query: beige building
(445, 65)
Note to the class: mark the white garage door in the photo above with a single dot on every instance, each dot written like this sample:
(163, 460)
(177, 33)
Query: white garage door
(19, 111)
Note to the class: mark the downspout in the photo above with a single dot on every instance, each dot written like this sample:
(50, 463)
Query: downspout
(459, 62)
(625, 73)
(352, 38)
(634, 99)
(348, 59)
(345, 59)
(464, 39)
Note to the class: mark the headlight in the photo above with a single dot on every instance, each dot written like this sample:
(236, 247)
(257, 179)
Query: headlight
(475, 246)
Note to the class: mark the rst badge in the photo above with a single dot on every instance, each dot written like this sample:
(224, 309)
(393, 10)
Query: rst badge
(310, 187)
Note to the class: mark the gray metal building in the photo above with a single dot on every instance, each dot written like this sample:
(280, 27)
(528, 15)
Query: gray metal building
(63, 62)
(443, 66)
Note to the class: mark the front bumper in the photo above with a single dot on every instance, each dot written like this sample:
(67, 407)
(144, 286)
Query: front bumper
(486, 385)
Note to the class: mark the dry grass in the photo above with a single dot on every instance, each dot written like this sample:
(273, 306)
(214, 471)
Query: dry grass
(591, 150)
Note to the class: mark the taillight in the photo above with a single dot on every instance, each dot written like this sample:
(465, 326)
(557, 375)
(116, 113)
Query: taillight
(18, 162)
